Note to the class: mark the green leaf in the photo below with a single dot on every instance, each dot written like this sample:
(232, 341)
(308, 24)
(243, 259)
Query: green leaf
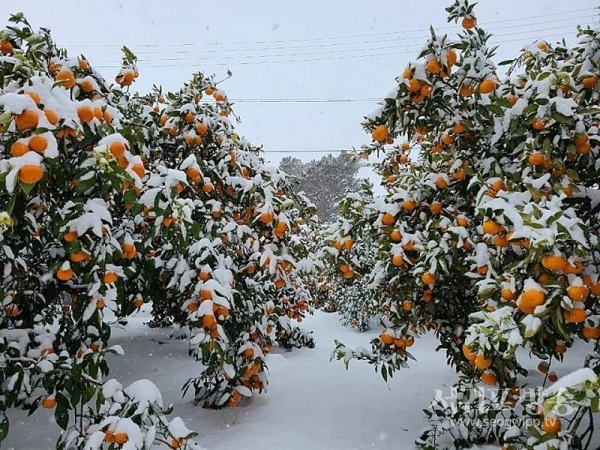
(561, 118)
(4, 425)
(547, 146)
(26, 188)
(61, 414)
(496, 109)
(11, 204)
(88, 394)
(573, 174)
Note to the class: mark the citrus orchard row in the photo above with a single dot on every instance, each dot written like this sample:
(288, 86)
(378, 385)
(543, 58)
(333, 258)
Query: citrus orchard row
(489, 236)
(112, 199)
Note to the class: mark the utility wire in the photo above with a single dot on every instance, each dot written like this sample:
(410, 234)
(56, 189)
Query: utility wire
(516, 19)
(336, 58)
(416, 46)
(337, 44)
(309, 151)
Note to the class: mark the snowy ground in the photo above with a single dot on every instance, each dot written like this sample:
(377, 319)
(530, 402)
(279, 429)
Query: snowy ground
(312, 403)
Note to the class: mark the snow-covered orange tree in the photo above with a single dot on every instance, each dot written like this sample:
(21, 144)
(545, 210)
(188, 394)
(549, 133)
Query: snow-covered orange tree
(221, 228)
(489, 237)
(350, 293)
(109, 200)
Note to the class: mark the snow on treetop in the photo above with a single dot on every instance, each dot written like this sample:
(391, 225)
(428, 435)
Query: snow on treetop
(96, 211)
(144, 392)
(532, 324)
(178, 429)
(17, 103)
(531, 285)
(574, 380)
(113, 389)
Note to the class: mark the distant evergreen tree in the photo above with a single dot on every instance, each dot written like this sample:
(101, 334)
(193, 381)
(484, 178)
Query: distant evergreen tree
(324, 181)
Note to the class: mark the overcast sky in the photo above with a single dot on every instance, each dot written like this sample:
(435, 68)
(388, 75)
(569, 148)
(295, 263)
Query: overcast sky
(287, 49)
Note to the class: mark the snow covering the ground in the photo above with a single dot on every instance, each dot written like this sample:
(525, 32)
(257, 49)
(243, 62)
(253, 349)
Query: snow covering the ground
(311, 402)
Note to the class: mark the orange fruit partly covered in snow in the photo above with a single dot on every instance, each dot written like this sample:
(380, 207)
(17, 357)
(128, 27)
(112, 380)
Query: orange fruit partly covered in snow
(530, 300)
(508, 294)
(120, 438)
(409, 205)
(6, 48)
(18, 149)
(591, 333)
(469, 22)
(201, 128)
(71, 236)
(491, 227)
(139, 170)
(30, 174)
(117, 149)
(85, 113)
(489, 378)
(386, 338)
(481, 362)
(27, 120)
(428, 278)
(110, 277)
(38, 143)
(64, 274)
(577, 293)
(266, 217)
(380, 133)
(388, 219)
(535, 158)
(469, 354)
(554, 262)
(487, 86)
(397, 260)
(576, 315)
(66, 78)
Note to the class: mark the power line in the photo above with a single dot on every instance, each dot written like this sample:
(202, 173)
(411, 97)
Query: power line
(303, 100)
(310, 151)
(337, 44)
(562, 13)
(243, 63)
(331, 52)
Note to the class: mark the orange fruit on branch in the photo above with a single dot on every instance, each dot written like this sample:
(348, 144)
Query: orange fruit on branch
(487, 86)
(481, 362)
(110, 277)
(380, 133)
(64, 274)
(66, 79)
(590, 82)
(554, 262)
(577, 293)
(551, 425)
(428, 278)
(38, 143)
(30, 174)
(49, 402)
(27, 120)
(469, 23)
(18, 148)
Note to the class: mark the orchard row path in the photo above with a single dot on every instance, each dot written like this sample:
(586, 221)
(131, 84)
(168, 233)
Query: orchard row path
(311, 403)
